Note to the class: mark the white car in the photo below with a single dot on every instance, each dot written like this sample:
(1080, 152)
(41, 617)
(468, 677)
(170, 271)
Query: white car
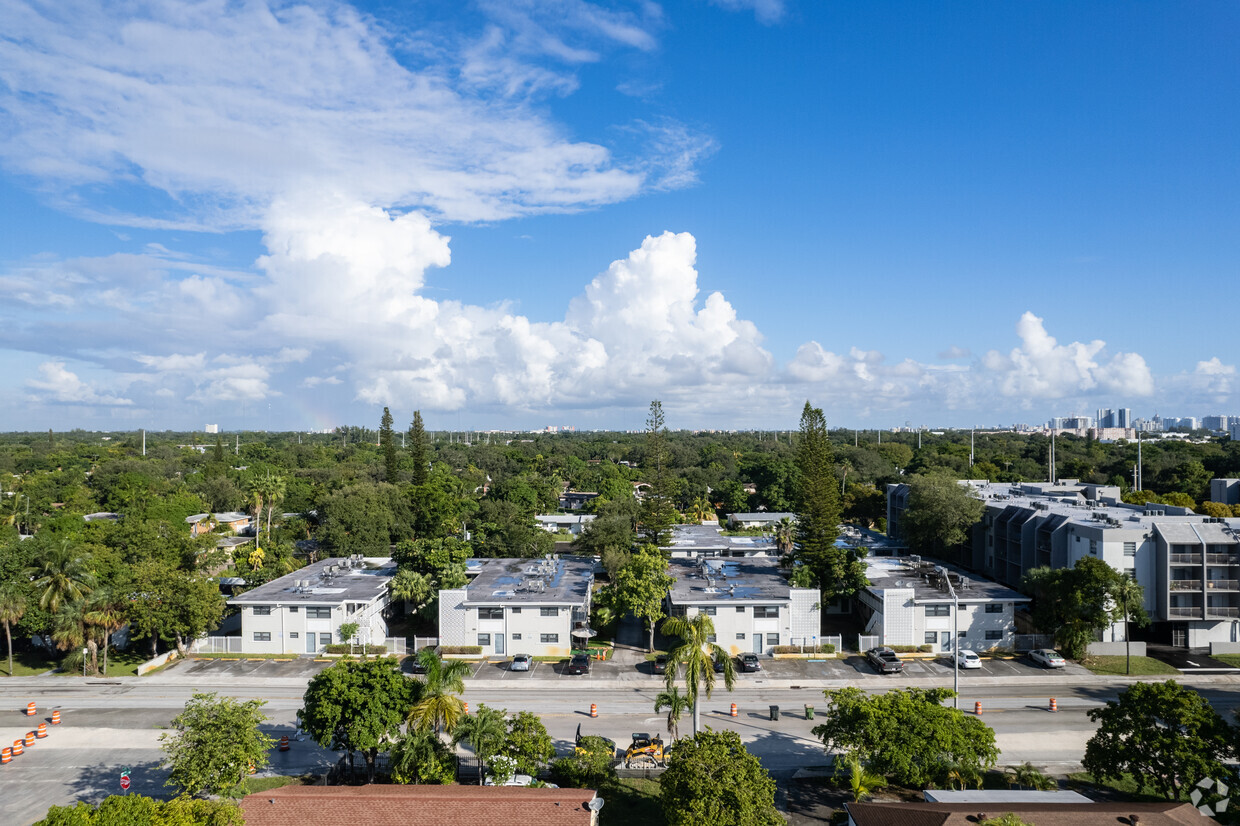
(1047, 658)
(968, 659)
(520, 662)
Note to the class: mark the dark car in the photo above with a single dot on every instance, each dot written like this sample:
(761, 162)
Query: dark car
(884, 661)
(659, 666)
(749, 662)
(720, 664)
(416, 667)
(579, 664)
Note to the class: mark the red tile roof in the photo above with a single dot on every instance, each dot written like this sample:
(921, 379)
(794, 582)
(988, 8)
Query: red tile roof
(417, 806)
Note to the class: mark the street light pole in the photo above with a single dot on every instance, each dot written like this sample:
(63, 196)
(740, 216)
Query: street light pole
(955, 637)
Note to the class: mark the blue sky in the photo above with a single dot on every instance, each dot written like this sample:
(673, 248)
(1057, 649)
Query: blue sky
(514, 213)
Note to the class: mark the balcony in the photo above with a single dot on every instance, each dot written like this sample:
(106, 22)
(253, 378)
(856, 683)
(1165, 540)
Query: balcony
(1222, 559)
(1184, 612)
(1185, 584)
(1222, 585)
(1185, 559)
(1222, 611)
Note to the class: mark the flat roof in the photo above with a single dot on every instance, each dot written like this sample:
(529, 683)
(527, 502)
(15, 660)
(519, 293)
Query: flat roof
(552, 580)
(912, 572)
(711, 538)
(356, 580)
(735, 579)
(762, 516)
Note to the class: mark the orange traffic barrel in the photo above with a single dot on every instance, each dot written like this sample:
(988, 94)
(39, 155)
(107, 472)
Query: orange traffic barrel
(284, 743)
(6, 754)
(31, 709)
(42, 732)
(977, 708)
(17, 747)
(30, 738)
(734, 709)
(56, 717)
(1054, 705)
(593, 710)
(466, 707)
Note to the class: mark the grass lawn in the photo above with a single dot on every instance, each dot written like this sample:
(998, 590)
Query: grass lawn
(27, 664)
(631, 800)
(1124, 788)
(1141, 666)
(1230, 659)
(253, 785)
(124, 663)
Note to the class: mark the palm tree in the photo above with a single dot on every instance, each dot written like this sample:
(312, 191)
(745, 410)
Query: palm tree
(676, 704)
(439, 709)
(1026, 776)
(486, 731)
(63, 575)
(254, 491)
(273, 487)
(107, 613)
(1129, 598)
(12, 608)
(696, 655)
(785, 532)
(411, 586)
(701, 509)
(861, 781)
(69, 635)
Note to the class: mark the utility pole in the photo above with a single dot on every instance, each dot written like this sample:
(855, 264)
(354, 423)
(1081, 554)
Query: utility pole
(970, 447)
(144, 441)
(955, 636)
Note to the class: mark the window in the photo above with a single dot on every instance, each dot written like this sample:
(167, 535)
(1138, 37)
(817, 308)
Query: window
(772, 639)
(484, 639)
(963, 634)
(766, 612)
(932, 637)
(516, 636)
(514, 610)
(938, 610)
(293, 609)
(740, 609)
(1093, 546)
(994, 608)
(325, 639)
(708, 610)
(548, 637)
(292, 635)
(318, 613)
(262, 636)
(262, 610)
(1130, 549)
(711, 638)
(548, 612)
(741, 635)
(490, 613)
(994, 635)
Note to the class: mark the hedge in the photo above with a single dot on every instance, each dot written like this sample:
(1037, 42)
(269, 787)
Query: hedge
(460, 649)
(825, 648)
(345, 648)
(912, 649)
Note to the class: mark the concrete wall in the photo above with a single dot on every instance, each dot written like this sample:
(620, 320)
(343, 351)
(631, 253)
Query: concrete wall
(1225, 648)
(1112, 649)
(152, 664)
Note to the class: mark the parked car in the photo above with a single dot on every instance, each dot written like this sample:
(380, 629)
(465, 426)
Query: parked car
(520, 662)
(749, 662)
(968, 659)
(659, 666)
(884, 660)
(579, 664)
(416, 667)
(719, 664)
(1047, 658)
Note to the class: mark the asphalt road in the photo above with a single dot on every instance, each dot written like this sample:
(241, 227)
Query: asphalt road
(113, 724)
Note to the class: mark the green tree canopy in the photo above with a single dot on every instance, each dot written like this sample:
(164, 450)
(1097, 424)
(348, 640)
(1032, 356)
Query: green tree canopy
(417, 449)
(420, 757)
(1165, 735)
(658, 510)
(486, 733)
(214, 744)
(1076, 604)
(139, 810)
(907, 735)
(711, 778)
(640, 587)
(940, 514)
(695, 658)
(528, 743)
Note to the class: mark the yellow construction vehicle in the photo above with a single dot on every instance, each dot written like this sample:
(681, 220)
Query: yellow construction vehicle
(645, 750)
(585, 745)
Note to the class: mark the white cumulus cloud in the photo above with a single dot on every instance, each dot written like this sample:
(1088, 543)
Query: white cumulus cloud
(57, 384)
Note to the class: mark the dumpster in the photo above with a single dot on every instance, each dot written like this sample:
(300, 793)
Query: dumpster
(809, 712)
(775, 712)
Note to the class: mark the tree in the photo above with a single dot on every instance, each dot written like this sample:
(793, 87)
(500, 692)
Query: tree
(711, 778)
(1076, 604)
(676, 705)
(417, 449)
(528, 743)
(861, 781)
(12, 609)
(388, 446)
(439, 708)
(105, 612)
(908, 735)
(591, 765)
(214, 744)
(485, 732)
(421, 757)
(785, 535)
(61, 575)
(1164, 735)
(1129, 599)
(640, 588)
(128, 809)
(696, 656)
(940, 514)
(1008, 819)
(411, 586)
(358, 706)
(1026, 776)
(348, 633)
(657, 510)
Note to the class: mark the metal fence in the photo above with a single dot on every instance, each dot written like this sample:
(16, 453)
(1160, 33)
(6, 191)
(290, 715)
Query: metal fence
(809, 645)
(866, 642)
(217, 645)
(1028, 642)
(396, 646)
(424, 642)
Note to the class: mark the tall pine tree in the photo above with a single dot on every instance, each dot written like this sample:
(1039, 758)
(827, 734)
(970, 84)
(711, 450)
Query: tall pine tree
(388, 445)
(657, 511)
(417, 448)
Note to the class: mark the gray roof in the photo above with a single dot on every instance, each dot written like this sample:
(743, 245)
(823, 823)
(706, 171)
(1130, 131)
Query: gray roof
(905, 572)
(565, 580)
(361, 582)
(761, 516)
(738, 579)
(711, 538)
(1181, 533)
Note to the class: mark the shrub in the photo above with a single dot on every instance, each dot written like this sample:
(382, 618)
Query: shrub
(460, 649)
(344, 648)
(912, 649)
(824, 648)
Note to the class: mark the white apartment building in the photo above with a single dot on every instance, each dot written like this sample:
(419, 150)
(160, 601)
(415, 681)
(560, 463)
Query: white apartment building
(573, 523)
(749, 600)
(760, 519)
(520, 606)
(698, 541)
(302, 613)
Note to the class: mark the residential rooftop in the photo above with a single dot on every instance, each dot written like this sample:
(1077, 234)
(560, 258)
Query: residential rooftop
(692, 539)
(925, 580)
(552, 580)
(761, 516)
(331, 581)
(736, 579)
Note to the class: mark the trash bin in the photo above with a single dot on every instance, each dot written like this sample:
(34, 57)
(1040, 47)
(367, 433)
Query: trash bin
(809, 712)
(775, 713)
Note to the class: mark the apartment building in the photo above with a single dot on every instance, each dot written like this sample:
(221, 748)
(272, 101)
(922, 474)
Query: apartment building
(695, 541)
(749, 600)
(761, 519)
(302, 613)
(520, 606)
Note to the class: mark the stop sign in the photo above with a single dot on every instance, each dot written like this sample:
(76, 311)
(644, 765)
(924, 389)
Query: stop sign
(125, 781)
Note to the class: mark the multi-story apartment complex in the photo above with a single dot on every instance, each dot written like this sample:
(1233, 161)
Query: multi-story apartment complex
(1189, 564)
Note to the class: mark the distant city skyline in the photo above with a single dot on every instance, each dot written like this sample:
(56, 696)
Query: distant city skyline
(286, 215)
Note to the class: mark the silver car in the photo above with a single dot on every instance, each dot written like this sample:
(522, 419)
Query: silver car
(520, 662)
(1047, 658)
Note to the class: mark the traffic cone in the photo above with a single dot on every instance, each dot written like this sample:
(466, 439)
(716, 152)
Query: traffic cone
(1054, 705)
(593, 710)
(977, 708)
(42, 732)
(734, 709)
(56, 717)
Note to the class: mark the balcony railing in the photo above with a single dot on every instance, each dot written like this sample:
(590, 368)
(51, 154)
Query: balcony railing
(1222, 559)
(1222, 611)
(1189, 612)
(1223, 584)
(1185, 585)
(1185, 559)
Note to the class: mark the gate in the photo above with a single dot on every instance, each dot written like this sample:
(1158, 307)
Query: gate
(1028, 642)
(866, 642)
